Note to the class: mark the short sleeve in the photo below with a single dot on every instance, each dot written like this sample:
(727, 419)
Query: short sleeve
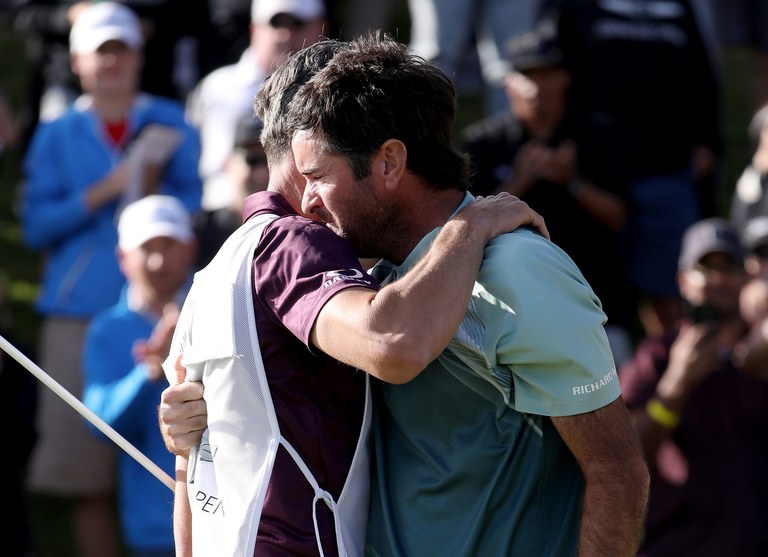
(547, 326)
(298, 267)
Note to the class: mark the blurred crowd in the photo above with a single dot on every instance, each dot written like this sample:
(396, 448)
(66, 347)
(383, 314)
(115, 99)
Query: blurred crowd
(138, 145)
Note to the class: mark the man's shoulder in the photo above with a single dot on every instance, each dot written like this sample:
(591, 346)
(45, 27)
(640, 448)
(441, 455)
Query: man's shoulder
(217, 80)
(522, 241)
(73, 117)
(164, 103)
(210, 91)
(161, 110)
(527, 256)
(224, 73)
(113, 318)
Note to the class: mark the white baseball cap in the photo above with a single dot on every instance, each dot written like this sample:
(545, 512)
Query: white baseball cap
(262, 11)
(151, 217)
(102, 22)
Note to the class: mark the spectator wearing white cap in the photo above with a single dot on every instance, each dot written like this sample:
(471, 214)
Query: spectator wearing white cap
(114, 145)
(222, 98)
(124, 348)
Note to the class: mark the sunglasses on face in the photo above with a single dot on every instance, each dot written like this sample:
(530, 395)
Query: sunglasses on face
(286, 21)
(253, 160)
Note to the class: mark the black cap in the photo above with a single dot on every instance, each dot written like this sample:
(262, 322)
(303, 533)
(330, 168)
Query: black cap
(709, 236)
(248, 131)
(534, 49)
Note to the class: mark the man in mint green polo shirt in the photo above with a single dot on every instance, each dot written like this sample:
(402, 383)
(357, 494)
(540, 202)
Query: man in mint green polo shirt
(467, 460)
(514, 441)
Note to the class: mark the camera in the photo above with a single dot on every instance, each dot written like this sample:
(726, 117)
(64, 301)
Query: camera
(702, 313)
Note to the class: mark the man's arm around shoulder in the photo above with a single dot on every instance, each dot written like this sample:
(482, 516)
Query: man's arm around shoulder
(394, 333)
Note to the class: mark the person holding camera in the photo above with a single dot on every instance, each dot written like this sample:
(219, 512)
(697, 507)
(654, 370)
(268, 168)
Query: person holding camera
(701, 415)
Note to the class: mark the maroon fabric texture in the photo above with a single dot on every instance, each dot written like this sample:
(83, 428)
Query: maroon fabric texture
(298, 266)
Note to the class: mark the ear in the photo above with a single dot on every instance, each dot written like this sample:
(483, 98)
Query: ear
(392, 161)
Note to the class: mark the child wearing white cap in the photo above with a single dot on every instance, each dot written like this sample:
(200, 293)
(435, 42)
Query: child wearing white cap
(124, 348)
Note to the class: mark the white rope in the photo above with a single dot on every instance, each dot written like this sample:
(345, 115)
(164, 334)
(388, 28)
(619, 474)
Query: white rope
(86, 412)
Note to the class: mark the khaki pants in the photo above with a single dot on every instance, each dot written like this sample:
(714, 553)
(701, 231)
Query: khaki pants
(68, 459)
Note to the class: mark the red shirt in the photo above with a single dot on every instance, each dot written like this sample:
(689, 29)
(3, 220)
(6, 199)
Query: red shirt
(298, 266)
(116, 131)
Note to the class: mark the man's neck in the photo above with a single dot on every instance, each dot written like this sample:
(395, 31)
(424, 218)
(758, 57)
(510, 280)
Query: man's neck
(426, 210)
(113, 108)
(148, 301)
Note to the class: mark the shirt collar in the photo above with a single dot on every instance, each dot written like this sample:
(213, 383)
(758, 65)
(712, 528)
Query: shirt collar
(266, 202)
(385, 271)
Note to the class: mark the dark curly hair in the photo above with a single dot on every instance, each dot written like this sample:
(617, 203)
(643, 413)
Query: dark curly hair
(373, 90)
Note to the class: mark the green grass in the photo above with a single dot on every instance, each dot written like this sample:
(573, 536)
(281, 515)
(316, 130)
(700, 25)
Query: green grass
(50, 517)
(20, 265)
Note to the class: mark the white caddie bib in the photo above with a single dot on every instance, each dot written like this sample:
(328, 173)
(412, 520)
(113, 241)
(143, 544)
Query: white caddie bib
(229, 471)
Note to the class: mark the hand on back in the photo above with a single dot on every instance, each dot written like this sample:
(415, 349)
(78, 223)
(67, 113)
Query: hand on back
(501, 213)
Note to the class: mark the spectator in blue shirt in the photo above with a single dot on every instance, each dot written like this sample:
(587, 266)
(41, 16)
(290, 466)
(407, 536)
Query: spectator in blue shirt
(124, 348)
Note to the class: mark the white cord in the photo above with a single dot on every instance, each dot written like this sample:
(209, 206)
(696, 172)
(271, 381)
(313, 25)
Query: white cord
(86, 412)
